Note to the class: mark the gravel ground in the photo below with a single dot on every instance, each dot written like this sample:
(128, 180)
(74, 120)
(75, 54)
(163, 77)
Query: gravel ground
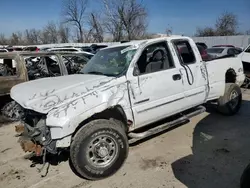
(211, 151)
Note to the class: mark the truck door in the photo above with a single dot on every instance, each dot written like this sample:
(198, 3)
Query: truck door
(155, 85)
(193, 71)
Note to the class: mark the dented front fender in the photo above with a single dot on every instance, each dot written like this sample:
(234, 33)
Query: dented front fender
(64, 120)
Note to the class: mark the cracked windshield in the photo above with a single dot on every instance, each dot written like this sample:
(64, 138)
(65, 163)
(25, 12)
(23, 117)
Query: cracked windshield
(110, 62)
(124, 94)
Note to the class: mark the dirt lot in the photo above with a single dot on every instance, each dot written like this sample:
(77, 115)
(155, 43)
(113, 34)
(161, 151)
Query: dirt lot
(211, 151)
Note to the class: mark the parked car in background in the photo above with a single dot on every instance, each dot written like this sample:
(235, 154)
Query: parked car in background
(204, 55)
(65, 49)
(224, 45)
(94, 48)
(216, 52)
(19, 67)
(71, 49)
(3, 50)
(31, 49)
(202, 44)
(14, 49)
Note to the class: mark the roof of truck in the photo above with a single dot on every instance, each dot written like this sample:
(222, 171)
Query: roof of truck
(147, 41)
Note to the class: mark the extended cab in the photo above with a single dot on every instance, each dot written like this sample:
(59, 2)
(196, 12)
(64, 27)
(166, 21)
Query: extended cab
(96, 114)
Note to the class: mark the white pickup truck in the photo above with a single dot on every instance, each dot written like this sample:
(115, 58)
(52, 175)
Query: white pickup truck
(123, 88)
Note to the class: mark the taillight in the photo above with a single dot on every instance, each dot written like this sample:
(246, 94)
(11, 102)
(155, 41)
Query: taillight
(37, 49)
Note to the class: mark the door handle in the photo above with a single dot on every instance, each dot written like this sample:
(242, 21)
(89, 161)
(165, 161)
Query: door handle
(176, 77)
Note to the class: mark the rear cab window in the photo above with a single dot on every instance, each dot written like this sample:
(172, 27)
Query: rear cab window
(184, 51)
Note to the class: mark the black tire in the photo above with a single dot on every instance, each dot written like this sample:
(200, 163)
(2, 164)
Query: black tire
(245, 178)
(81, 149)
(227, 105)
(12, 111)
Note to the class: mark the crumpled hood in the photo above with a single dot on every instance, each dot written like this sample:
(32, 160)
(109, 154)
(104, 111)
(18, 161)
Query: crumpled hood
(43, 95)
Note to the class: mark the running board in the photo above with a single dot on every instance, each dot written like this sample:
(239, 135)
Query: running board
(182, 120)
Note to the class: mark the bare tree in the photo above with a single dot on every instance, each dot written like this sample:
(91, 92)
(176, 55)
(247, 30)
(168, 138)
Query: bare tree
(226, 24)
(3, 39)
(125, 18)
(96, 28)
(64, 33)
(204, 32)
(169, 30)
(16, 39)
(113, 23)
(50, 33)
(73, 13)
(32, 36)
(133, 15)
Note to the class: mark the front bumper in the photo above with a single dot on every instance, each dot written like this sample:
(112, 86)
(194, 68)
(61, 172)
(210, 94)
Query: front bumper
(35, 136)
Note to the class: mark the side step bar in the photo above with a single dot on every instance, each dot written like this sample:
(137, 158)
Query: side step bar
(183, 119)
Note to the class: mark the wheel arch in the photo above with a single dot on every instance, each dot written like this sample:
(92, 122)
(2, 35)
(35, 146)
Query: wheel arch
(230, 76)
(114, 112)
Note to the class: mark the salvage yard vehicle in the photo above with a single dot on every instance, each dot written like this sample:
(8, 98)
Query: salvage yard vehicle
(245, 57)
(216, 52)
(25, 66)
(122, 89)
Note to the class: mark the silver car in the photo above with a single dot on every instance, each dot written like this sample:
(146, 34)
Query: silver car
(216, 52)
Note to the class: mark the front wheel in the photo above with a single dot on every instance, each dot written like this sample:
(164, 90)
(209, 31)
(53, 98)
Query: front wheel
(245, 178)
(99, 149)
(230, 103)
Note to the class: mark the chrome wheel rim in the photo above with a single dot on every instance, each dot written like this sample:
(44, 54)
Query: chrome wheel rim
(102, 151)
(234, 100)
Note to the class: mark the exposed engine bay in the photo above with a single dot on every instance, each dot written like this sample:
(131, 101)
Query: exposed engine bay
(35, 135)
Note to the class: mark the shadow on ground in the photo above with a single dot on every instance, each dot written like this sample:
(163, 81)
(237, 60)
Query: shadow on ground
(220, 151)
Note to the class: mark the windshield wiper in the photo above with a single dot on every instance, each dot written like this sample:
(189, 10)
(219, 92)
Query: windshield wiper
(99, 73)
(95, 72)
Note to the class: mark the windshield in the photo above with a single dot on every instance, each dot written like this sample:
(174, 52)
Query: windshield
(110, 62)
(215, 50)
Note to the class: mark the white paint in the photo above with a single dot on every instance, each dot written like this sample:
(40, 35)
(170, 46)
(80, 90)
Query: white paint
(246, 55)
(69, 100)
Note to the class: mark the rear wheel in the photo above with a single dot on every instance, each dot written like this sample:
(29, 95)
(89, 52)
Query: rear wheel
(230, 103)
(99, 149)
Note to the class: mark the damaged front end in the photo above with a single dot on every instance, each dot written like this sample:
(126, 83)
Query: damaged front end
(34, 135)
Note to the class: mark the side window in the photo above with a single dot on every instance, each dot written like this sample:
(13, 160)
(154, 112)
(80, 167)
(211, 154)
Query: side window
(185, 52)
(155, 57)
(230, 51)
(8, 67)
(74, 64)
(42, 67)
(53, 66)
